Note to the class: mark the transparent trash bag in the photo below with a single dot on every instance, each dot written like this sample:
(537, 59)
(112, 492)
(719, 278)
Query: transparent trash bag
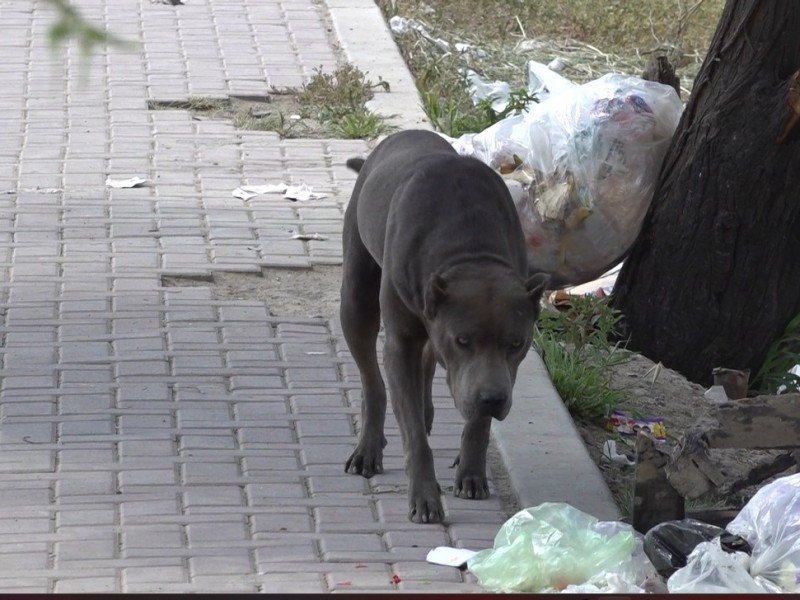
(710, 569)
(582, 167)
(554, 545)
(770, 522)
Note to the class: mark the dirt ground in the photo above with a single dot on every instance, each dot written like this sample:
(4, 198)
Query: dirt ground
(651, 391)
(655, 391)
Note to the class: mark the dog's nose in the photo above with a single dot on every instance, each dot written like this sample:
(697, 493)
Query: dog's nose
(492, 401)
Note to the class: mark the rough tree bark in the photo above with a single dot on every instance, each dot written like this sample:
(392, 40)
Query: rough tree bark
(714, 276)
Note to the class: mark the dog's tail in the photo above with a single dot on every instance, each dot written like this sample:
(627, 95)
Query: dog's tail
(355, 164)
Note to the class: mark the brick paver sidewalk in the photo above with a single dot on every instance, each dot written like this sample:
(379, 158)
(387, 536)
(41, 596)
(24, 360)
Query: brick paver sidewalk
(155, 438)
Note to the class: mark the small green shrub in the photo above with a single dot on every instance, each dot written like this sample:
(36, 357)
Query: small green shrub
(578, 347)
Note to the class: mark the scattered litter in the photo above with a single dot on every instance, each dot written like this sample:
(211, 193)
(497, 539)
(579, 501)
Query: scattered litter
(396, 579)
(316, 353)
(627, 424)
(310, 236)
(302, 193)
(344, 583)
(496, 91)
(554, 545)
(450, 557)
(357, 565)
(245, 192)
(716, 393)
(401, 25)
(581, 166)
(734, 382)
(463, 48)
(125, 183)
(610, 452)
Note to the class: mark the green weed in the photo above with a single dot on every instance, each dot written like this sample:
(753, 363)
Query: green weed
(782, 355)
(578, 347)
(359, 124)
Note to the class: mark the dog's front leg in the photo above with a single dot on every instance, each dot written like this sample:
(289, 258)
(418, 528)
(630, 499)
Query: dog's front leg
(471, 479)
(404, 372)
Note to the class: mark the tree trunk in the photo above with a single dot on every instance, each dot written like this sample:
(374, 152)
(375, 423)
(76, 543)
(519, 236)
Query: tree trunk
(714, 276)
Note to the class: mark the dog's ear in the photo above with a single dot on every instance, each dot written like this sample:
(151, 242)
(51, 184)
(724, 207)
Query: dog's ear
(434, 295)
(536, 285)
(355, 164)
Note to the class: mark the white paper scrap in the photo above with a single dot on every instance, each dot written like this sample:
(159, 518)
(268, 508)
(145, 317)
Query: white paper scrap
(610, 452)
(125, 183)
(450, 557)
(302, 193)
(245, 192)
(309, 236)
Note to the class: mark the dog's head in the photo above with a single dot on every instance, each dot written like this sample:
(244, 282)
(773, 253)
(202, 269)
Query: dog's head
(480, 326)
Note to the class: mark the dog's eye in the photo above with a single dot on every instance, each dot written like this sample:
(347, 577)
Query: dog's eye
(462, 340)
(517, 345)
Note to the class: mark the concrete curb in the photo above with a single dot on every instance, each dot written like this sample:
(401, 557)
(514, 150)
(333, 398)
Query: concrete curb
(368, 44)
(540, 447)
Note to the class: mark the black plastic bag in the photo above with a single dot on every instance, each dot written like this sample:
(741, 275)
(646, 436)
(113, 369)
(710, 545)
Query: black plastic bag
(668, 544)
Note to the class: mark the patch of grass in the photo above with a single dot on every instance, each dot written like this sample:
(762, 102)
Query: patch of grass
(207, 104)
(578, 347)
(285, 126)
(329, 105)
(359, 124)
(782, 355)
(202, 104)
(338, 100)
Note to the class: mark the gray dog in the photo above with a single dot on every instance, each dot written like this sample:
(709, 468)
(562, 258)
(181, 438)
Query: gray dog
(433, 244)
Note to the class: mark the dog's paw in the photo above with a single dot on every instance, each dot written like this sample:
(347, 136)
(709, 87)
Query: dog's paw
(425, 503)
(471, 486)
(365, 462)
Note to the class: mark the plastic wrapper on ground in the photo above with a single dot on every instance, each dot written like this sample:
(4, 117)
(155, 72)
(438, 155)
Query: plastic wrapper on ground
(554, 545)
(582, 167)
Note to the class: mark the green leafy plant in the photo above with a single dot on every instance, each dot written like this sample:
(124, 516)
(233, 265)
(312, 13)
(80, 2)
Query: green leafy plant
(782, 355)
(578, 346)
(338, 100)
(360, 123)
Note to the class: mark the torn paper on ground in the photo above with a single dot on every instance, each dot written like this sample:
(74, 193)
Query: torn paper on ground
(305, 237)
(245, 192)
(125, 183)
(302, 193)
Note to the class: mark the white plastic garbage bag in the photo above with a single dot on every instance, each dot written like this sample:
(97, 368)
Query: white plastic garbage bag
(711, 570)
(582, 167)
(770, 522)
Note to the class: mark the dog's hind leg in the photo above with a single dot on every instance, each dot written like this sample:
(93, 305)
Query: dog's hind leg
(360, 317)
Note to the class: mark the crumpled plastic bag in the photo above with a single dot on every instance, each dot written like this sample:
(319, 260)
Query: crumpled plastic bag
(669, 544)
(712, 570)
(770, 522)
(582, 167)
(554, 545)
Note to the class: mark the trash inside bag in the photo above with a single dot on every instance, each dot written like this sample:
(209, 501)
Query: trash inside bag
(770, 522)
(710, 569)
(669, 544)
(554, 545)
(582, 166)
